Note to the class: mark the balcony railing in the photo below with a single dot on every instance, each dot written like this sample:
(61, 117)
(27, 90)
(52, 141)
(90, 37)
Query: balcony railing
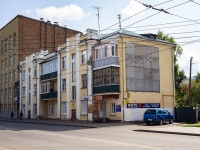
(49, 95)
(106, 89)
(48, 76)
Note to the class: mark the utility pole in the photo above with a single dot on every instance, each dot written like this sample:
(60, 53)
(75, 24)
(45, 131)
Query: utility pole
(97, 8)
(190, 96)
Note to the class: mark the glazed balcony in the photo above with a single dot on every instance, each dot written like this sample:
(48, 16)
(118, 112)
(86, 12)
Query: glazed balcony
(48, 76)
(50, 95)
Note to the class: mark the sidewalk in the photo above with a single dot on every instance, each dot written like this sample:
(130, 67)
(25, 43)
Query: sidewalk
(174, 128)
(84, 124)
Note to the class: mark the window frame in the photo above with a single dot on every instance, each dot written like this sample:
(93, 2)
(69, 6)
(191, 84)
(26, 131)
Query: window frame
(112, 108)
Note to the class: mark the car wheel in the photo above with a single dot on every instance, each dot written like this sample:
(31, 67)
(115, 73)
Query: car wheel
(148, 123)
(171, 121)
(161, 122)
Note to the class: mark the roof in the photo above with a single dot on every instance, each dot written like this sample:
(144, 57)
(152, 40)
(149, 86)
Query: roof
(133, 34)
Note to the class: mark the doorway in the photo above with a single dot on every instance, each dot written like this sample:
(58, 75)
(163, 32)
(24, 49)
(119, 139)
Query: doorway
(73, 115)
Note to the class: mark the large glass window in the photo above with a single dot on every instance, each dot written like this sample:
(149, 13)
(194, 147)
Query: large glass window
(49, 67)
(108, 75)
(47, 87)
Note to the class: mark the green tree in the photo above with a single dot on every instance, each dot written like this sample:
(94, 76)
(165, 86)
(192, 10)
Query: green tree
(179, 74)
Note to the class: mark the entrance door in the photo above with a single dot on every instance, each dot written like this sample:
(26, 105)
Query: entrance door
(73, 115)
(29, 114)
(102, 110)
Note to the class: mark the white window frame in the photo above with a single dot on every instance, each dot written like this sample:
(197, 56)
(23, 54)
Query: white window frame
(49, 108)
(112, 108)
(35, 89)
(63, 84)
(84, 57)
(23, 74)
(84, 107)
(64, 62)
(64, 108)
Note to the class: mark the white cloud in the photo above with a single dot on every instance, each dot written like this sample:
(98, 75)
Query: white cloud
(28, 11)
(184, 62)
(68, 12)
(132, 8)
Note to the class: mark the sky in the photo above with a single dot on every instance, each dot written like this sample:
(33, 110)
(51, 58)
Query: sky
(181, 22)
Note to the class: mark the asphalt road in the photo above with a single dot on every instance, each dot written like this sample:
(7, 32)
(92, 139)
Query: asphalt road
(28, 136)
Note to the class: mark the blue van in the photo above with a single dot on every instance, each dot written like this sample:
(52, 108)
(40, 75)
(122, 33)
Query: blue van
(158, 116)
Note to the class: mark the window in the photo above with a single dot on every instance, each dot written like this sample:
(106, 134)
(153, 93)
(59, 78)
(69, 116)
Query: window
(73, 57)
(10, 43)
(6, 45)
(10, 92)
(35, 89)
(112, 108)
(49, 67)
(23, 109)
(14, 57)
(64, 62)
(2, 93)
(2, 78)
(84, 81)
(52, 108)
(24, 75)
(6, 93)
(15, 75)
(6, 77)
(10, 76)
(84, 57)
(47, 87)
(114, 49)
(2, 47)
(49, 108)
(64, 108)
(29, 79)
(2, 64)
(35, 71)
(14, 39)
(24, 91)
(108, 75)
(35, 109)
(10, 60)
(63, 84)
(6, 62)
(73, 72)
(84, 107)
(73, 92)
(29, 98)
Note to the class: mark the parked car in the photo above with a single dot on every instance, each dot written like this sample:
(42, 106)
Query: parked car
(158, 116)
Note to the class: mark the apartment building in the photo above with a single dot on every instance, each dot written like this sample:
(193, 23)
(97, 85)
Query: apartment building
(132, 73)
(19, 38)
(116, 77)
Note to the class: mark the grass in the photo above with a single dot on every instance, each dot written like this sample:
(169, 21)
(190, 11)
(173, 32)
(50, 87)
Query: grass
(192, 125)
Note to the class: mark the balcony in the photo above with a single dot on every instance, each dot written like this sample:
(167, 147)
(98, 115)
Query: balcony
(105, 62)
(106, 89)
(49, 95)
(48, 76)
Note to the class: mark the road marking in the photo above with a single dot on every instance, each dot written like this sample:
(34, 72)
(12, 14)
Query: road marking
(97, 140)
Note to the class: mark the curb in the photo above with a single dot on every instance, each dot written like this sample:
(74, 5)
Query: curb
(83, 126)
(168, 132)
